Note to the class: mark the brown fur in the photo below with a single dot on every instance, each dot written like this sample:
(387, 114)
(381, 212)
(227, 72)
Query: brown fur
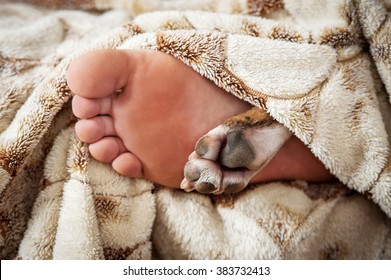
(253, 117)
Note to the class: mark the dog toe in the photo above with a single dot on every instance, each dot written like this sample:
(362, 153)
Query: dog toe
(205, 187)
(234, 188)
(202, 146)
(192, 172)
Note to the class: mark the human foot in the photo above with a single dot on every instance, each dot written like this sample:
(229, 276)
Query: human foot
(143, 112)
(150, 127)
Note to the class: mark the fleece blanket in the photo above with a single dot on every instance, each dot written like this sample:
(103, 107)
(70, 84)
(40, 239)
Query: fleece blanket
(321, 68)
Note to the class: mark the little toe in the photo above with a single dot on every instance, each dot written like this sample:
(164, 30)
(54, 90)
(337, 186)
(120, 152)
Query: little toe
(107, 149)
(92, 130)
(129, 165)
(85, 108)
(99, 73)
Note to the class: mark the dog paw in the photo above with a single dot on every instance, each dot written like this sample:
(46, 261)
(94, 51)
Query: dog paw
(227, 157)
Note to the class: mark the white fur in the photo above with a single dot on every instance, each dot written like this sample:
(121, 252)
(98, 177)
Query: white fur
(266, 142)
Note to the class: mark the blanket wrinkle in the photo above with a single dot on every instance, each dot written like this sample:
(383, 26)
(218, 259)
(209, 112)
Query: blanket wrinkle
(321, 68)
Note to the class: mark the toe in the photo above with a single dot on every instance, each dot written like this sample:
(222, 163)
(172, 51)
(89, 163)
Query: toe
(129, 165)
(99, 73)
(234, 188)
(192, 172)
(209, 146)
(107, 149)
(205, 187)
(92, 130)
(85, 108)
(203, 175)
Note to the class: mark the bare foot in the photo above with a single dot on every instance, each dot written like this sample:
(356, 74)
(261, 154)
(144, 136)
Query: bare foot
(143, 111)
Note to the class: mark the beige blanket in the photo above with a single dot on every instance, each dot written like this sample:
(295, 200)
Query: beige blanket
(321, 68)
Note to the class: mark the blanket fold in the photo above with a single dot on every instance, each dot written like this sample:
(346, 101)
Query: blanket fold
(308, 65)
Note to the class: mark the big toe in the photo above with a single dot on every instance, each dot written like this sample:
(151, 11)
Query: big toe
(99, 73)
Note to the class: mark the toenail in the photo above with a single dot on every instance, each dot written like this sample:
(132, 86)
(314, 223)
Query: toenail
(205, 187)
(233, 188)
(202, 146)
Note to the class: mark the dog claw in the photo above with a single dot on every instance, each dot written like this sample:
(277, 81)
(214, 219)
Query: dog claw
(187, 186)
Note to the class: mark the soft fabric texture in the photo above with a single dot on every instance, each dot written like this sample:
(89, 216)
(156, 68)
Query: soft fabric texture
(321, 68)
